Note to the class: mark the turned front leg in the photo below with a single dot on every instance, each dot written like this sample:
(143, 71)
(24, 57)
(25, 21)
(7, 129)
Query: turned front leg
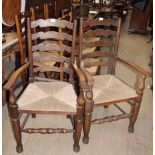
(88, 115)
(78, 122)
(14, 118)
(137, 103)
(134, 114)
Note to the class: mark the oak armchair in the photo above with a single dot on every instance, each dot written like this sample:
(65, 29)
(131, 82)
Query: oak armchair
(47, 96)
(105, 88)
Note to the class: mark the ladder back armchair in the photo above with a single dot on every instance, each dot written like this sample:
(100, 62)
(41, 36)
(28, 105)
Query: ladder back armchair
(106, 88)
(43, 95)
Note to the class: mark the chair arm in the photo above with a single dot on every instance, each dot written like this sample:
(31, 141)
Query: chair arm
(81, 77)
(10, 84)
(89, 77)
(136, 67)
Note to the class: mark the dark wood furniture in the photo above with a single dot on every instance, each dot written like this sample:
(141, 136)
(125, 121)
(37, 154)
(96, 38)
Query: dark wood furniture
(107, 89)
(45, 96)
(120, 6)
(40, 12)
(55, 6)
(139, 19)
(9, 9)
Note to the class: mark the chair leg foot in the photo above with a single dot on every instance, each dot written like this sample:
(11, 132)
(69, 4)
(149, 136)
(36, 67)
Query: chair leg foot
(19, 148)
(76, 148)
(134, 114)
(33, 115)
(85, 139)
(131, 129)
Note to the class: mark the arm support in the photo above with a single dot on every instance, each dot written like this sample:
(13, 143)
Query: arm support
(10, 84)
(81, 77)
(136, 67)
(89, 78)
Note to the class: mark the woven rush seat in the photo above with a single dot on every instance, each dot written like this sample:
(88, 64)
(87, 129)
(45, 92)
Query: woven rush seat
(108, 88)
(48, 96)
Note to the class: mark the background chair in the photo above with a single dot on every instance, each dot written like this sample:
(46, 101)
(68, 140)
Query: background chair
(120, 7)
(45, 96)
(106, 89)
(40, 12)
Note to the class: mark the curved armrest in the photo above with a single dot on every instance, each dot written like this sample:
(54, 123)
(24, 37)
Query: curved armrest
(81, 77)
(136, 67)
(89, 77)
(14, 76)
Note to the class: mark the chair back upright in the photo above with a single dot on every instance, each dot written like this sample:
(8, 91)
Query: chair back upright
(108, 30)
(21, 28)
(60, 41)
(20, 20)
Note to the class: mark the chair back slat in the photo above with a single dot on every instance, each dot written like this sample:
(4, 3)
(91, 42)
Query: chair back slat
(49, 47)
(97, 54)
(51, 58)
(100, 43)
(100, 21)
(51, 35)
(98, 32)
(42, 68)
(52, 23)
(104, 48)
(98, 63)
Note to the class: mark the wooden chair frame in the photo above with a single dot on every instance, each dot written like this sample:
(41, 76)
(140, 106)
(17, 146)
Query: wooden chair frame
(135, 102)
(15, 113)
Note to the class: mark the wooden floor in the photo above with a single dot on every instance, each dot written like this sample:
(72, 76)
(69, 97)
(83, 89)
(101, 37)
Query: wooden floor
(107, 139)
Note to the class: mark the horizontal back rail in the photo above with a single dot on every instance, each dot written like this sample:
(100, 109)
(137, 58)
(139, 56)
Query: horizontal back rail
(97, 54)
(51, 35)
(99, 63)
(42, 68)
(100, 43)
(99, 21)
(99, 32)
(52, 23)
(51, 58)
(51, 48)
